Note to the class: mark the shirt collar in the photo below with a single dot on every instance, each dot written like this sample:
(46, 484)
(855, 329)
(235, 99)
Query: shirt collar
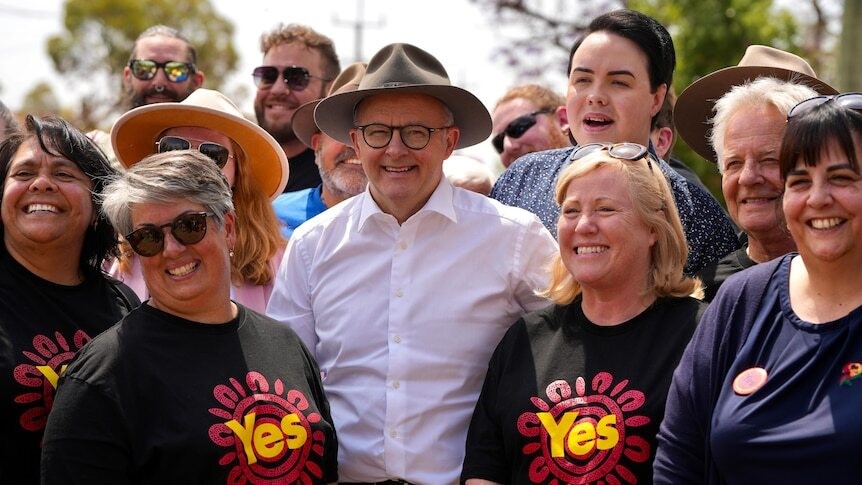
(441, 202)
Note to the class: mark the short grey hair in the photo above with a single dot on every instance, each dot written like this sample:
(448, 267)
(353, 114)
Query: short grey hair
(781, 94)
(164, 177)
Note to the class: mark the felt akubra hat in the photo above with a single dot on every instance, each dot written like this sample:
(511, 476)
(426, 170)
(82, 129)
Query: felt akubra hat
(694, 107)
(303, 118)
(405, 68)
(135, 134)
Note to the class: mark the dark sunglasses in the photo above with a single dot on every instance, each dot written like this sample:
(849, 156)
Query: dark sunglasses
(296, 78)
(216, 152)
(187, 229)
(845, 100)
(620, 151)
(517, 127)
(175, 71)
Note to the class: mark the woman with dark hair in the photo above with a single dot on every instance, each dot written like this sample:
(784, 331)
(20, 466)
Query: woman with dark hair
(53, 294)
(575, 392)
(190, 387)
(768, 390)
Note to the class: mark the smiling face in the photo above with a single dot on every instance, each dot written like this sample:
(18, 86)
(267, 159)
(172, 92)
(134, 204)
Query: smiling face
(274, 107)
(609, 97)
(401, 179)
(751, 178)
(603, 242)
(544, 135)
(186, 280)
(159, 89)
(340, 169)
(823, 207)
(47, 204)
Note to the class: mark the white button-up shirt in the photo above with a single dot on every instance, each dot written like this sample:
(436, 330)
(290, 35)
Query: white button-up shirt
(403, 320)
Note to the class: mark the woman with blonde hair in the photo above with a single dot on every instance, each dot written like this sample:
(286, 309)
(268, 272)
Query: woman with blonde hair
(575, 392)
(251, 160)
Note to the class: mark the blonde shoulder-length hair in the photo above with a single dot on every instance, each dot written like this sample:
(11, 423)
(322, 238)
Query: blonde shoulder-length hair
(258, 234)
(654, 205)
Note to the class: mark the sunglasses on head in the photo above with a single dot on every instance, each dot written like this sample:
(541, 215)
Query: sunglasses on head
(620, 151)
(187, 229)
(216, 152)
(296, 78)
(517, 127)
(845, 100)
(175, 71)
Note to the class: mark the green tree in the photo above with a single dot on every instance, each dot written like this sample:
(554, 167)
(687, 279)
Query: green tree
(40, 100)
(99, 35)
(849, 65)
(708, 35)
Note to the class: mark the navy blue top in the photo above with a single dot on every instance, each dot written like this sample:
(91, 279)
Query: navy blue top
(803, 425)
(529, 183)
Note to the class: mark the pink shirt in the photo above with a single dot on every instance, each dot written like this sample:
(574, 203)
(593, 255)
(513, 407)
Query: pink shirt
(252, 296)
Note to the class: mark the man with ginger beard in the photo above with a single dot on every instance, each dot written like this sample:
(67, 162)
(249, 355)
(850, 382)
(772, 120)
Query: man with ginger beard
(298, 66)
(619, 73)
(339, 166)
(162, 68)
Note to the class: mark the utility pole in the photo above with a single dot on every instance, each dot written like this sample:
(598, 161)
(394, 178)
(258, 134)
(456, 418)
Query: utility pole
(359, 25)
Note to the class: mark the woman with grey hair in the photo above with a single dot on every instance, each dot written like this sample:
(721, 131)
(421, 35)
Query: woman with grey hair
(191, 387)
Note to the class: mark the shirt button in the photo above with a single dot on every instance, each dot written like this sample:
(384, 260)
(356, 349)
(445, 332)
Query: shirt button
(403, 245)
(393, 434)
(397, 339)
(399, 293)
(396, 384)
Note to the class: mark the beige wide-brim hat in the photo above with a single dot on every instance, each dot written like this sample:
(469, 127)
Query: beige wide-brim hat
(303, 118)
(694, 107)
(135, 134)
(405, 68)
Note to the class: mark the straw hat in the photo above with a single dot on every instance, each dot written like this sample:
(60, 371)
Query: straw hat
(134, 135)
(303, 118)
(694, 107)
(404, 68)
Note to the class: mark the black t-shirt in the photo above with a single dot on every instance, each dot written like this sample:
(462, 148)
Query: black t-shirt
(160, 399)
(42, 325)
(713, 276)
(568, 401)
(304, 173)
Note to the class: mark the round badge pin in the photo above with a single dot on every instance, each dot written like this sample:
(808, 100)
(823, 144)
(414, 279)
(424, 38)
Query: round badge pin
(749, 381)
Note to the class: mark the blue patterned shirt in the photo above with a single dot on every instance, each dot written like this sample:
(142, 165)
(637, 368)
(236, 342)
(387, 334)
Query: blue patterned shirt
(529, 183)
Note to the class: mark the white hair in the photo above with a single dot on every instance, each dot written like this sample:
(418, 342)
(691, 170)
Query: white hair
(781, 94)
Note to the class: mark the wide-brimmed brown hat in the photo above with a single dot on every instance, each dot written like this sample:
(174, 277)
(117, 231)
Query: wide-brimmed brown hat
(303, 118)
(134, 135)
(405, 68)
(694, 107)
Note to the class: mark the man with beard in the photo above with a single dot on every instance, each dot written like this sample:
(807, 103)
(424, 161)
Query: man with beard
(162, 68)
(339, 167)
(298, 66)
(529, 118)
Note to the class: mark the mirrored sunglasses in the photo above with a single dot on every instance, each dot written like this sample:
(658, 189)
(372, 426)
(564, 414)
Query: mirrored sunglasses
(218, 153)
(175, 71)
(845, 100)
(297, 78)
(517, 127)
(620, 151)
(187, 229)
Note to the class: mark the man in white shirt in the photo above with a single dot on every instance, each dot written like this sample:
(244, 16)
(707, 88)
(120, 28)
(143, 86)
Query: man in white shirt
(403, 292)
